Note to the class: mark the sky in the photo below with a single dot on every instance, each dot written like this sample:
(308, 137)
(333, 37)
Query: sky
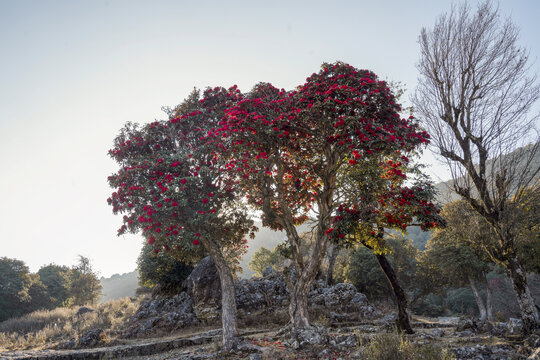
(73, 72)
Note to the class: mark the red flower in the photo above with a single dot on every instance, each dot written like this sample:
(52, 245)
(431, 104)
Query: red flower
(195, 242)
(197, 234)
(205, 201)
(329, 231)
(151, 240)
(183, 181)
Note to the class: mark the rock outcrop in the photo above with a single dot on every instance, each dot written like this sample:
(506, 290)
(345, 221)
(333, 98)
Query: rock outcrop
(201, 303)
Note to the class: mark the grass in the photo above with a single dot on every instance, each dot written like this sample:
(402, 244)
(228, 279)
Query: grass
(47, 328)
(396, 347)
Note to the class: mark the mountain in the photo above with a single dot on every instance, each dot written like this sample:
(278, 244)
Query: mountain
(119, 286)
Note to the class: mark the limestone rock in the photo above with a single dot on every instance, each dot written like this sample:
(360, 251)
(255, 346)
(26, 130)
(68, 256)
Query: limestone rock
(163, 313)
(203, 285)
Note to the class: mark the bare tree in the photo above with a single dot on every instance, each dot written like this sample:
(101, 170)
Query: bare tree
(475, 97)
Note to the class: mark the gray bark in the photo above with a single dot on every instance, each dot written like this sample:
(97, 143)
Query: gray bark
(529, 316)
(332, 264)
(228, 296)
(478, 298)
(489, 301)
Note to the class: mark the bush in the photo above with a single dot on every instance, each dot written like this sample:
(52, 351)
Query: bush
(160, 272)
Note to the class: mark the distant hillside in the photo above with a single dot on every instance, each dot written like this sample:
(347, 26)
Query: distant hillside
(517, 159)
(119, 286)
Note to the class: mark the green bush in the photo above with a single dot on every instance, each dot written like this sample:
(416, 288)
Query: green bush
(160, 272)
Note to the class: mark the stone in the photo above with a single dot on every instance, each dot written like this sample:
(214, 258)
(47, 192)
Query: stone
(83, 310)
(388, 322)
(91, 338)
(466, 324)
(268, 271)
(437, 333)
(514, 326)
(448, 320)
(315, 336)
(203, 284)
(162, 313)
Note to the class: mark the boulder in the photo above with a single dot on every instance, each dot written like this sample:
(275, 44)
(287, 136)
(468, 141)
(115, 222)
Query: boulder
(83, 310)
(203, 285)
(162, 313)
(91, 338)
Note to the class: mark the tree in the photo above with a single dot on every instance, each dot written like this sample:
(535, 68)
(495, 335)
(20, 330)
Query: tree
(56, 280)
(172, 188)
(452, 261)
(160, 271)
(288, 148)
(84, 285)
(474, 96)
(365, 273)
(264, 258)
(15, 281)
(376, 199)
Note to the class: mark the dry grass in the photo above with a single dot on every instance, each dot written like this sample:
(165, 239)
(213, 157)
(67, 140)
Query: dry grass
(46, 328)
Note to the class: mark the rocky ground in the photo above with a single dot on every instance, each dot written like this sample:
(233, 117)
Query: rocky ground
(346, 326)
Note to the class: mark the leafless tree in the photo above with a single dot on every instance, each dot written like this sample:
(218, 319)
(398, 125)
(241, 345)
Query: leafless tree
(475, 96)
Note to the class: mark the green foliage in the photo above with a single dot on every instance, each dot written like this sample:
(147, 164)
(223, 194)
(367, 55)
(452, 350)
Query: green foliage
(161, 272)
(15, 282)
(56, 279)
(265, 257)
(461, 301)
(22, 292)
(85, 287)
(365, 273)
(430, 305)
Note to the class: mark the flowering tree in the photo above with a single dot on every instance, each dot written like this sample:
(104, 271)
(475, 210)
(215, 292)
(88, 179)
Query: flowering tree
(287, 148)
(377, 199)
(171, 188)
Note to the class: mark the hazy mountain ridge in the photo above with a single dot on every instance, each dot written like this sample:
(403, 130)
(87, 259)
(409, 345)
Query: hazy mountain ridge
(118, 286)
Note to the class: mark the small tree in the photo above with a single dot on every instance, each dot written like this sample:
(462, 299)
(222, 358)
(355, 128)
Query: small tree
(56, 280)
(452, 262)
(171, 188)
(265, 257)
(84, 285)
(161, 271)
(15, 281)
(474, 97)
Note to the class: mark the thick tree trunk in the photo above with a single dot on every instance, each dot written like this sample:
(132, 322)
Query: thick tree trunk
(403, 321)
(298, 307)
(529, 316)
(332, 264)
(489, 300)
(479, 300)
(228, 297)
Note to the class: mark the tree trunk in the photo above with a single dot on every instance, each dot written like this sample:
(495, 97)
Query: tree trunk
(228, 297)
(298, 307)
(529, 316)
(331, 264)
(479, 300)
(489, 302)
(403, 321)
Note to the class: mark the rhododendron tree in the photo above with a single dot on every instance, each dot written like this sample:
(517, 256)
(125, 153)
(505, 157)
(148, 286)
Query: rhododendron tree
(288, 147)
(377, 198)
(171, 188)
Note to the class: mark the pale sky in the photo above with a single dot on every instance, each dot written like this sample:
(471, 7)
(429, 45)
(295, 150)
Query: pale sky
(73, 72)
